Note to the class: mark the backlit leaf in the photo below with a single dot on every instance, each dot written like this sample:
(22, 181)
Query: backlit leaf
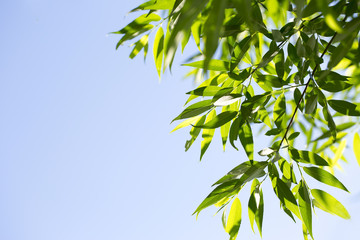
(324, 177)
(329, 204)
(234, 219)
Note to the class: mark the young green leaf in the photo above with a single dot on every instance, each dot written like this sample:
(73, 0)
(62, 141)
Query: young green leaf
(324, 177)
(234, 219)
(194, 132)
(186, 123)
(207, 134)
(214, 65)
(329, 204)
(260, 211)
(139, 45)
(158, 49)
(356, 146)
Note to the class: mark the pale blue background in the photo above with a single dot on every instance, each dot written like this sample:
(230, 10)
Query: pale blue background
(85, 149)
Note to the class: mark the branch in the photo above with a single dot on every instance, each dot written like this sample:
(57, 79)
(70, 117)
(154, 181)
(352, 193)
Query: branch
(303, 93)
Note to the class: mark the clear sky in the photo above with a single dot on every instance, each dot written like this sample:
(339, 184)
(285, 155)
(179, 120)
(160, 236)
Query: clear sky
(85, 148)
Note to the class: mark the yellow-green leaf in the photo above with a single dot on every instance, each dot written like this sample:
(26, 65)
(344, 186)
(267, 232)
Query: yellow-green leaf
(329, 204)
(234, 219)
(324, 177)
(356, 147)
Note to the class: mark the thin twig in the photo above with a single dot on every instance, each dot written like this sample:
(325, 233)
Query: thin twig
(303, 93)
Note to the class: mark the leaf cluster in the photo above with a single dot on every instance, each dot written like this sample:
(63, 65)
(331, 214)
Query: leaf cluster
(288, 69)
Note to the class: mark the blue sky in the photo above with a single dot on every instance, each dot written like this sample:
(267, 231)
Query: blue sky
(85, 148)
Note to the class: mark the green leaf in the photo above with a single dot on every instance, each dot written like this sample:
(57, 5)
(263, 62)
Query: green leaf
(255, 171)
(246, 139)
(239, 51)
(207, 134)
(252, 204)
(196, 32)
(224, 190)
(219, 120)
(356, 146)
(186, 123)
(260, 212)
(234, 131)
(195, 109)
(280, 64)
(307, 157)
(139, 45)
(158, 49)
(194, 132)
(280, 111)
(324, 177)
(331, 81)
(155, 5)
(345, 107)
(212, 27)
(234, 219)
(329, 204)
(305, 206)
(226, 100)
(206, 91)
(214, 65)
(287, 170)
(341, 50)
(188, 14)
(285, 195)
(139, 23)
(311, 103)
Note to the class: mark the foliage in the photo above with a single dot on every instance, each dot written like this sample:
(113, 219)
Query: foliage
(284, 68)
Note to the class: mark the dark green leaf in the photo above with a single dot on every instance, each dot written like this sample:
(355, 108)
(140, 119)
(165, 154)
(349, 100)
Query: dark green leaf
(195, 109)
(345, 107)
(331, 81)
(219, 120)
(307, 157)
(224, 190)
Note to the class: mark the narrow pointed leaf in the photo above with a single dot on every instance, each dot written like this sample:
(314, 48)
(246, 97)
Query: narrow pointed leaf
(324, 177)
(329, 204)
(158, 49)
(345, 107)
(219, 120)
(305, 206)
(246, 139)
(307, 157)
(234, 219)
(356, 146)
(207, 134)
